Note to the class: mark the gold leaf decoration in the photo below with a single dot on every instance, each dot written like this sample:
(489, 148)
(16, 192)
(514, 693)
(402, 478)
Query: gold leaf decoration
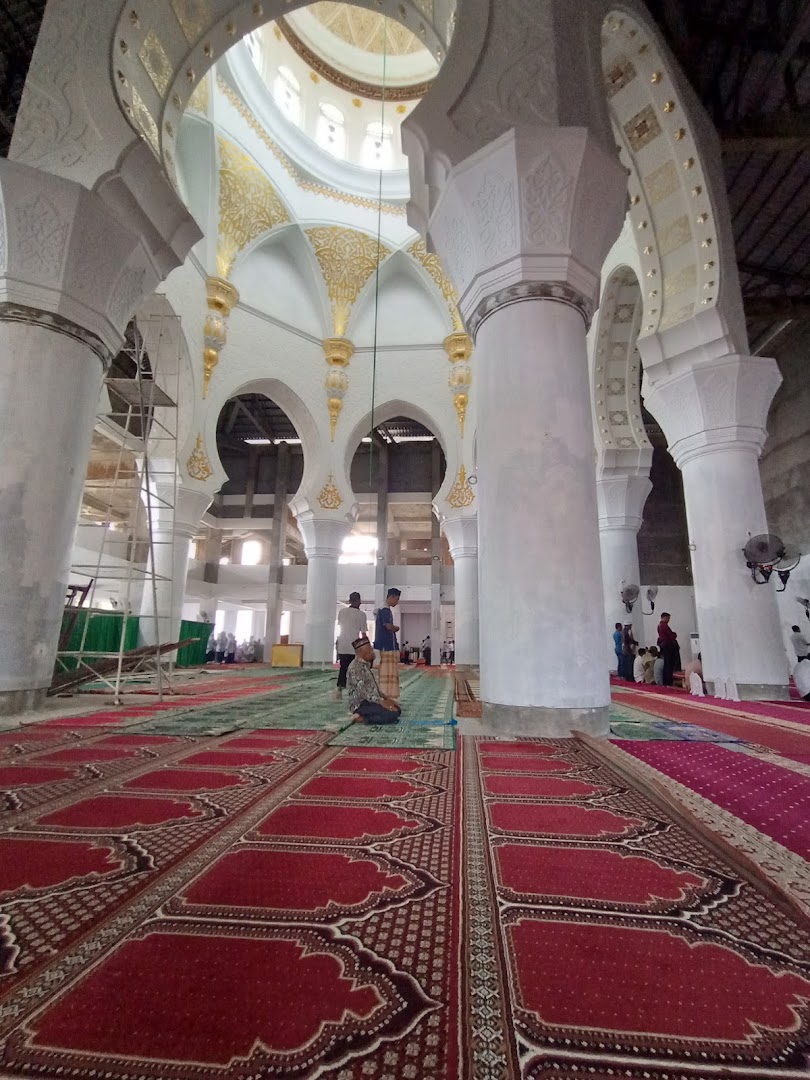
(461, 494)
(198, 466)
(434, 268)
(193, 16)
(248, 204)
(347, 259)
(329, 497)
(155, 61)
(199, 99)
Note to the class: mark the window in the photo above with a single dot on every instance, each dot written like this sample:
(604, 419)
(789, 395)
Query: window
(378, 147)
(254, 46)
(287, 94)
(359, 550)
(251, 553)
(330, 132)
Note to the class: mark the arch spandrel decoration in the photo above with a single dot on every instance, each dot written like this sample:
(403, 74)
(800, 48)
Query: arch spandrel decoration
(161, 51)
(347, 258)
(617, 366)
(248, 205)
(670, 201)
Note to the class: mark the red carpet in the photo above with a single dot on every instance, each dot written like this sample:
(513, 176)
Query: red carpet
(397, 915)
(773, 800)
(727, 718)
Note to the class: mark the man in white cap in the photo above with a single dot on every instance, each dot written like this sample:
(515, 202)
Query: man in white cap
(367, 702)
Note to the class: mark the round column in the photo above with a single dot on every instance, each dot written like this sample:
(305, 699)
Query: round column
(323, 544)
(537, 523)
(462, 539)
(46, 425)
(620, 501)
(714, 415)
(173, 530)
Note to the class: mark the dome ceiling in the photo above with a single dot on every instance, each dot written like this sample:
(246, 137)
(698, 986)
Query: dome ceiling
(358, 49)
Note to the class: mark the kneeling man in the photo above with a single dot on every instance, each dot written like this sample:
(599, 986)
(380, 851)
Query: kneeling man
(366, 701)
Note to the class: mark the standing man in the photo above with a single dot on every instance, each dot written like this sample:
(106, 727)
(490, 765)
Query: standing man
(352, 624)
(426, 652)
(367, 702)
(385, 641)
(629, 644)
(800, 644)
(617, 647)
(670, 649)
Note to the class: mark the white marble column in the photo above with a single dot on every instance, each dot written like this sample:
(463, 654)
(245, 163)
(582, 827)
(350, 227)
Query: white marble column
(72, 270)
(462, 539)
(714, 414)
(173, 529)
(515, 177)
(621, 494)
(323, 544)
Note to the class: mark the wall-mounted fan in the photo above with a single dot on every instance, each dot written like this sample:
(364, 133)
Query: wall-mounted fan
(789, 561)
(805, 604)
(762, 553)
(652, 592)
(629, 596)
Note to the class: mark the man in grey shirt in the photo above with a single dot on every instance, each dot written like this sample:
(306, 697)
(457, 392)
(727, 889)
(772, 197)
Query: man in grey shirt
(352, 624)
(366, 701)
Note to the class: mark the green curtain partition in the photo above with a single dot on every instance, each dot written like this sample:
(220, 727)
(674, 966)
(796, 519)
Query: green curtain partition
(193, 655)
(103, 634)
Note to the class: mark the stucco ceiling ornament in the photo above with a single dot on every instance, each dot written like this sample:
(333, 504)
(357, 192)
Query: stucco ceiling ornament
(461, 493)
(338, 353)
(329, 496)
(347, 259)
(430, 262)
(459, 349)
(369, 31)
(221, 298)
(248, 205)
(198, 466)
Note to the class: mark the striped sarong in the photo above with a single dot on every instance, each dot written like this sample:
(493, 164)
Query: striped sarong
(389, 674)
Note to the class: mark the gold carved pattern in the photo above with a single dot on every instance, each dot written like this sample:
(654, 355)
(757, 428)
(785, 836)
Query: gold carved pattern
(329, 497)
(618, 76)
(434, 268)
(662, 183)
(679, 282)
(248, 204)
(198, 466)
(302, 181)
(642, 128)
(347, 259)
(675, 235)
(193, 16)
(145, 120)
(221, 297)
(199, 99)
(369, 31)
(461, 494)
(155, 61)
(338, 352)
(458, 347)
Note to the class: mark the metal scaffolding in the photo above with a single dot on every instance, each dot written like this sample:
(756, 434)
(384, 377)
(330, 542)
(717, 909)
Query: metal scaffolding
(127, 517)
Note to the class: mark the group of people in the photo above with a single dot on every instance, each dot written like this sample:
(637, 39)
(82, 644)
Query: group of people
(651, 664)
(370, 701)
(222, 648)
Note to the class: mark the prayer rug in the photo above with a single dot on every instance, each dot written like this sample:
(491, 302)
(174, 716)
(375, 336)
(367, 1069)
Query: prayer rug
(426, 704)
(400, 914)
(773, 800)
(779, 735)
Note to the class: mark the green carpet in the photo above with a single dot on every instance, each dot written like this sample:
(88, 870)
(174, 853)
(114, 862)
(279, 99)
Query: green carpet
(427, 708)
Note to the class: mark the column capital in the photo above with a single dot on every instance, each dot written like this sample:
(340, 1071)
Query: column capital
(79, 261)
(719, 404)
(530, 216)
(323, 536)
(621, 499)
(462, 535)
(189, 507)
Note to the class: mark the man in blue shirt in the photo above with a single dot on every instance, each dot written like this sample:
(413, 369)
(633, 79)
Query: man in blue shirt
(385, 641)
(617, 648)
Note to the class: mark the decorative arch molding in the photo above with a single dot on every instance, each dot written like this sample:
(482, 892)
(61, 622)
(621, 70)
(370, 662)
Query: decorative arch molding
(399, 407)
(293, 406)
(402, 257)
(161, 52)
(677, 199)
(618, 420)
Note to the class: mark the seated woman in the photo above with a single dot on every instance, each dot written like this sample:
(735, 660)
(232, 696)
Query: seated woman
(366, 701)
